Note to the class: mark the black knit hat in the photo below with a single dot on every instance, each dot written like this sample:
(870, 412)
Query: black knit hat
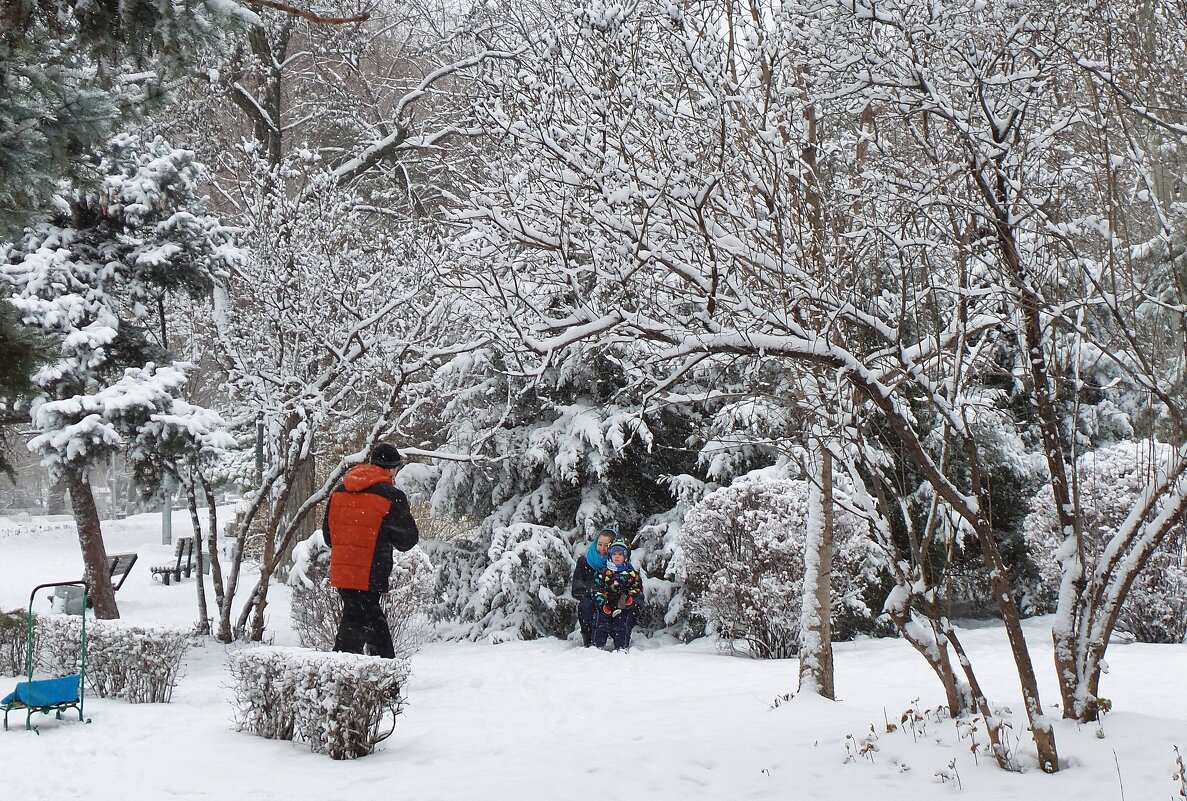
(385, 455)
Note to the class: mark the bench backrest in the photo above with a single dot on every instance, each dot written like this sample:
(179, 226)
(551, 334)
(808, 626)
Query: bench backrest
(185, 551)
(120, 564)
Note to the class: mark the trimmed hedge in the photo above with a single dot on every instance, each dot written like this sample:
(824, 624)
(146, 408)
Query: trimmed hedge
(333, 702)
(140, 664)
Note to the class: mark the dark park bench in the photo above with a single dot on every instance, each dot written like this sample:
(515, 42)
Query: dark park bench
(183, 564)
(119, 565)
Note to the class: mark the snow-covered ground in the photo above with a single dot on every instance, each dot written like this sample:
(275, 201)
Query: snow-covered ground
(547, 720)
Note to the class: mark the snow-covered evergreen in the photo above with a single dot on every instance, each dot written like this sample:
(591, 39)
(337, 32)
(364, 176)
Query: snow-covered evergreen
(95, 279)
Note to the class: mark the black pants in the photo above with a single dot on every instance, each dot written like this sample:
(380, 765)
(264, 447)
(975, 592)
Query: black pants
(585, 613)
(619, 628)
(363, 624)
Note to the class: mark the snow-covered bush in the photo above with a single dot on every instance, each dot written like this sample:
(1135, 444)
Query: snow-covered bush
(458, 563)
(333, 702)
(741, 558)
(140, 664)
(317, 607)
(59, 639)
(1109, 481)
(14, 642)
(521, 590)
(666, 606)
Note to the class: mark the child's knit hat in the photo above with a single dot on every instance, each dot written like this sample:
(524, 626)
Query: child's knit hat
(620, 545)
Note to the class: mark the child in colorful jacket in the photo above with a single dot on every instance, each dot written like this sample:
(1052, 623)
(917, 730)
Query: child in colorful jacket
(618, 594)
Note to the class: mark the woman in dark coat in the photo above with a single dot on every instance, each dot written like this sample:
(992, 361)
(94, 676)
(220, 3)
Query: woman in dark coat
(589, 565)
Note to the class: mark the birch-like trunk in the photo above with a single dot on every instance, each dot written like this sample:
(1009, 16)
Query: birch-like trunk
(816, 643)
(203, 626)
(216, 570)
(932, 645)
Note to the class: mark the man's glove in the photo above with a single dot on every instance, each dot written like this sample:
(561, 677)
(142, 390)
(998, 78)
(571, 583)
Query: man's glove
(606, 610)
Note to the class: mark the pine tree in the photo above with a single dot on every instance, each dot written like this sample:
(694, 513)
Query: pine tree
(92, 278)
(21, 351)
(72, 74)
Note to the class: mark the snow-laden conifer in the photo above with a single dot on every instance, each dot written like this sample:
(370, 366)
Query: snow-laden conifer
(94, 279)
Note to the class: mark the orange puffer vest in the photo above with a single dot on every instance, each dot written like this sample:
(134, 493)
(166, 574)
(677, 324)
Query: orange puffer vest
(358, 524)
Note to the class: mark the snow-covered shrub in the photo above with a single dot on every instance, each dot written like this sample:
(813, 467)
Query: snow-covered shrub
(137, 663)
(14, 642)
(666, 607)
(263, 687)
(140, 664)
(317, 607)
(741, 558)
(458, 563)
(333, 702)
(1109, 482)
(522, 592)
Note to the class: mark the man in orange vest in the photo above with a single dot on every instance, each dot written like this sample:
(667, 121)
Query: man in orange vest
(366, 518)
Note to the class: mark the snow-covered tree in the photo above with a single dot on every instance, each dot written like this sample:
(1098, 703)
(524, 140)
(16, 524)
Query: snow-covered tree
(93, 279)
(327, 141)
(742, 557)
(327, 337)
(1110, 482)
(547, 454)
(721, 185)
(72, 74)
(21, 352)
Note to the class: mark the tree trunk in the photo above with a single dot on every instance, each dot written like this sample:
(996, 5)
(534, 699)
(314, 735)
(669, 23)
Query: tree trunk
(260, 597)
(203, 626)
(301, 485)
(1041, 731)
(94, 552)
(932, 646)
(226, 631)
(816, 644)
(964, 697)
(55, 499)
(216, 570)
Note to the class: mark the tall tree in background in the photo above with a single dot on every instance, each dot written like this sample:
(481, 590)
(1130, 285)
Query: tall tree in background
(73, 73)
(88, 278)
